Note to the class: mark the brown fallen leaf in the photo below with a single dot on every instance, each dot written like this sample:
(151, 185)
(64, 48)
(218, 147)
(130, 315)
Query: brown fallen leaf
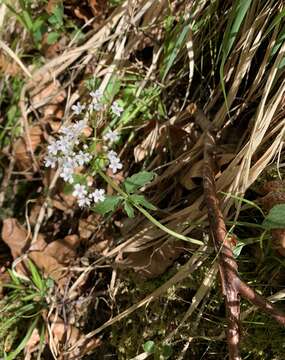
(63, 250)
(49, 258)
(15, 236)
(22, 150)
(87, 227)
(153, 261)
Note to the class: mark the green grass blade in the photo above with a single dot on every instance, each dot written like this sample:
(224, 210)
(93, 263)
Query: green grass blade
(37, 280)
(174, 48)
(237, 16)
(24, 341)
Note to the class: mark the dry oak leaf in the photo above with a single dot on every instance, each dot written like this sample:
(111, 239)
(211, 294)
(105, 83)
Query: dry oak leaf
(22, 147)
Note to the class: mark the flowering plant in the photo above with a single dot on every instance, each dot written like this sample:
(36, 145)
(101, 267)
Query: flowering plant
(70, 152)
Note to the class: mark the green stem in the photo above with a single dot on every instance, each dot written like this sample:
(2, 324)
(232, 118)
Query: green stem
(146, 213)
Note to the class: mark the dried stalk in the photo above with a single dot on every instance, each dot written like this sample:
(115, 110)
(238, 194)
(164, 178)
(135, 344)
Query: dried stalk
(232, 286)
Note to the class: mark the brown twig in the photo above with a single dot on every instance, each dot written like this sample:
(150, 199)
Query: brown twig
(232, 286)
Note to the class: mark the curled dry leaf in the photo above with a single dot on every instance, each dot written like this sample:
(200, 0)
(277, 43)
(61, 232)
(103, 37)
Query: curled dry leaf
(22, 150)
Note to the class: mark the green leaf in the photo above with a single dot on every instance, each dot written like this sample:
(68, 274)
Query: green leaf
(108, 205)
(174, 46)
(129, 209)
(112, 89)
(276, 218)
(141, 200)
(28, 20)
(138, 180)
(37, 280)
(238, 248)
(235, 20)
(52, 37)
(149, 346)
(57, 16)
(166, 351)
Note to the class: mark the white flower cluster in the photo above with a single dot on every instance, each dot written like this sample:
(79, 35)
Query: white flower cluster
(61, 151)
(64, 153)
(85, 199)
(114, 161)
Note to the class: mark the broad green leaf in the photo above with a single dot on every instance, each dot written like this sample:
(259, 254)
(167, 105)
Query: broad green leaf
(108, 205)
(52, 37)
(275, 218)
(138, 180)
(129, 209)
(141, 200)
(149, 346)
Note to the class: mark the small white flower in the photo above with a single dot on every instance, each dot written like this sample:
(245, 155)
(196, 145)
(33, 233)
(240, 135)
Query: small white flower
(84, 201)
(53, 148)
(82, 158)
(96, 95)
(67, 174)
(116, 108)
(66, 130)
(96, 106)
(79, 191)
(50, 161)
(115, 165)
(112, 155)
(111, 136)
(64, 145)
(78, 108)
(98, 195)
(78, 127)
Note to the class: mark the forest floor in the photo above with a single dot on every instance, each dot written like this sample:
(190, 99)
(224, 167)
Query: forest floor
(112, 200)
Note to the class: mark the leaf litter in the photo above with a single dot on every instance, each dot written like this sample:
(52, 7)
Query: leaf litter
(141, 44)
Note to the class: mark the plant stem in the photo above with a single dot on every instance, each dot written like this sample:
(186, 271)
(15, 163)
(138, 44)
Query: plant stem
(146, 213)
